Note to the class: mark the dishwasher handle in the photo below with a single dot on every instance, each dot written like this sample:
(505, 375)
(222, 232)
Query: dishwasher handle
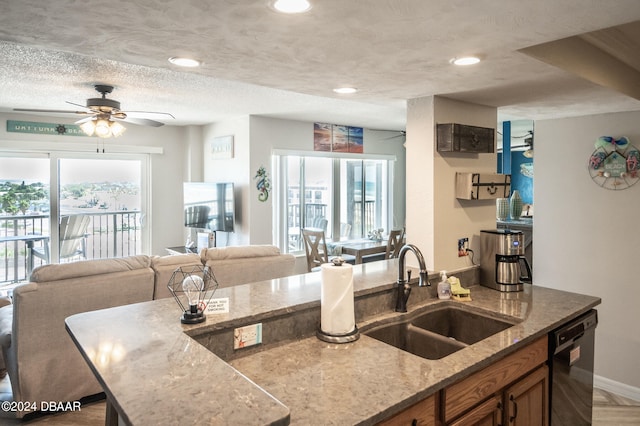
(573, 331)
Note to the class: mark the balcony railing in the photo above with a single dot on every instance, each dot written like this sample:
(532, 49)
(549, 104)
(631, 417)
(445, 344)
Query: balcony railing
(110, 234)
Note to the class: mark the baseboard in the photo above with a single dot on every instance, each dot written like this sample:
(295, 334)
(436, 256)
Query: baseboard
(617, 388)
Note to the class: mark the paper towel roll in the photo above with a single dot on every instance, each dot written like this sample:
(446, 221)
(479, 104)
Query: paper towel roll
(336, 299)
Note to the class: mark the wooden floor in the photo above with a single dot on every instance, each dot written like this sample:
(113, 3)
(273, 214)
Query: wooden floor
(614, 410)
(608, 410)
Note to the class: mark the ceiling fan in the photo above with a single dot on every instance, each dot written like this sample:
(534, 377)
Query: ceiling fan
(108, 110)
(398, 133)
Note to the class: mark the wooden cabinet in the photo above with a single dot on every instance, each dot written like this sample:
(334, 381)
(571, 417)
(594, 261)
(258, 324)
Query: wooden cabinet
(421, 414)
(482, 186)
(513, 391)
(489, 413)
(453, 137)
(527, 401)
(505, 393)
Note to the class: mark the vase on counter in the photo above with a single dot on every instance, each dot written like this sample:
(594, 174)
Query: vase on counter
(502, 208)
(515, 205)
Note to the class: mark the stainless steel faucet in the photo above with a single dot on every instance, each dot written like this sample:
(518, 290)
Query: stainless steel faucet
(403, 286)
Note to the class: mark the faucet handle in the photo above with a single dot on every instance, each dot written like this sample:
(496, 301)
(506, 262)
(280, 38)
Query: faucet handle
(408, 275)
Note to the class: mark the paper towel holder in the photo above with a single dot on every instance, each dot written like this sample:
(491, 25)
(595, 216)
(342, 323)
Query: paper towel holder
(349, 337)
(352, 336)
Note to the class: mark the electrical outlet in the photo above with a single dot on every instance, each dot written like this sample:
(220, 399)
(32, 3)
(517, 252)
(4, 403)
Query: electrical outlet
(463, 245)
(246, 336)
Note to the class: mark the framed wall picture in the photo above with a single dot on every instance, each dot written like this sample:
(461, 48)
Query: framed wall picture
(222, 147)
(337, 138)
(322, 136)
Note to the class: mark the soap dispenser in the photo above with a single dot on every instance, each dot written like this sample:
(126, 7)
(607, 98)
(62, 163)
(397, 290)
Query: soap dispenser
(444, 287)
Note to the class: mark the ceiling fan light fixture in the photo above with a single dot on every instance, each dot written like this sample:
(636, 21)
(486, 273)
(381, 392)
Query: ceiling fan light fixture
(185, 62)
(88, 127)
(117, 129)
(290, 6)
(465, 60)
(103, 128)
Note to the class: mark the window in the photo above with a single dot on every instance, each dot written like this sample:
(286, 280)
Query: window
(37, 191)
(346, 197)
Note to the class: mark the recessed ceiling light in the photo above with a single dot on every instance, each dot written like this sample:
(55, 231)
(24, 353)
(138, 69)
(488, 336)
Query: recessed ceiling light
(184, 62)
(345, 90)
(465, 60)
(291, 6)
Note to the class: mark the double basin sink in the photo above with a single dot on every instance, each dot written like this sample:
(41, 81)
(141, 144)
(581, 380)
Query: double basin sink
(439, 330)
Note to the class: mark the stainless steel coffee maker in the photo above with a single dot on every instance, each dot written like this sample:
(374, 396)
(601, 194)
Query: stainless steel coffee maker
(502, 260)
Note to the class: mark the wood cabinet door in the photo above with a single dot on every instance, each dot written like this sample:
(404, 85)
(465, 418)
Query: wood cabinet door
(489, 413)
(421, 414)
(527, 401)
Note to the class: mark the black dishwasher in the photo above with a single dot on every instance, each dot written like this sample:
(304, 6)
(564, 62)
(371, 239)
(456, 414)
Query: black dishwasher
(571, 350)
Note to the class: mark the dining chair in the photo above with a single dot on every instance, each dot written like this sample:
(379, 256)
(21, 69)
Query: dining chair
(73, 239)
(315, 247)
(394, 243)
(345, 230)
(319, 222)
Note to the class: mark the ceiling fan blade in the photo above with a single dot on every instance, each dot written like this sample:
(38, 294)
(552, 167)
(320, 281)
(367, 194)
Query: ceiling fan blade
(57, 111)
(140, 121)
(78, 105)
(149, 112)
(84, 120)
(394, 137)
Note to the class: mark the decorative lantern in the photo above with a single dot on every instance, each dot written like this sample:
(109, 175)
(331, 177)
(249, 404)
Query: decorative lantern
(193, 287)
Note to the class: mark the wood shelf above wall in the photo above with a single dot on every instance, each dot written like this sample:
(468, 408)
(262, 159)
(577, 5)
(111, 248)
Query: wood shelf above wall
(452, 137)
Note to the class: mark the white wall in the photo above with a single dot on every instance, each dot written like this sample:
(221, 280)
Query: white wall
(234, 170)
(586, 236)
(435, 218)
(262, 135)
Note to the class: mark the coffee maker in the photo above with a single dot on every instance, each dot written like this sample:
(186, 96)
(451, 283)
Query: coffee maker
(502, 260)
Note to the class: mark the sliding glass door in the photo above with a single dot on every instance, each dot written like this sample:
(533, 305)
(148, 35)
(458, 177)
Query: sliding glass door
(61, 207)
(24, 212)
(109, 193)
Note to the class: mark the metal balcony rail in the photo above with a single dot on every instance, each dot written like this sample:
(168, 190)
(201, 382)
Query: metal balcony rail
(109, 234)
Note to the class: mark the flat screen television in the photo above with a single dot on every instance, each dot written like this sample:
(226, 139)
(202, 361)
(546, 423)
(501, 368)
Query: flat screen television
(209, 206)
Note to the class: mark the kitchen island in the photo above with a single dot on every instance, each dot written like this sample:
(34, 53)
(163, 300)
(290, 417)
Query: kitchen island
(154, 371)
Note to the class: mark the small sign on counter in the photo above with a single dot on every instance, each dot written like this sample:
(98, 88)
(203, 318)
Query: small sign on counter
(218, 306)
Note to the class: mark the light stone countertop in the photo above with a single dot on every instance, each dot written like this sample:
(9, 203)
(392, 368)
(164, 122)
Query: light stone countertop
(153, 373)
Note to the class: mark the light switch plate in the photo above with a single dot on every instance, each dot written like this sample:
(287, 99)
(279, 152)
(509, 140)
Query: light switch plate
(246, 336)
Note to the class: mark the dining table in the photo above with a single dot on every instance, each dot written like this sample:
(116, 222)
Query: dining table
(362, 247)
(29, 241)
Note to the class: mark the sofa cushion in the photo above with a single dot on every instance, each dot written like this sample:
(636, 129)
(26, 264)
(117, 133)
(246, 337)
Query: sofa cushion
(246, 264)
(238, 252)
(163, 267)
(64, 271)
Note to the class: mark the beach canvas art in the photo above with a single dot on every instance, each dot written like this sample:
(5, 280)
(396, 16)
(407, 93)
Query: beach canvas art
(322, 136)
(337, 138)
(355, 140)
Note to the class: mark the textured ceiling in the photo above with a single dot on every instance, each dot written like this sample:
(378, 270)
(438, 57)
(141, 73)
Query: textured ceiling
(256, 61)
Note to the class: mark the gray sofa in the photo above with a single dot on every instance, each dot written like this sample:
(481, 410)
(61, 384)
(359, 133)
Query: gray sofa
(42, 361)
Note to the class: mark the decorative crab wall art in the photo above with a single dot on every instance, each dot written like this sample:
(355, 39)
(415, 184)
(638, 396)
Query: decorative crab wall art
(615, 163)
(263, 184)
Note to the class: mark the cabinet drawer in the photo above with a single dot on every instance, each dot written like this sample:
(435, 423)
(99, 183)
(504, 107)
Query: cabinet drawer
(468, 392)
(421, 414)
(452, 137)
